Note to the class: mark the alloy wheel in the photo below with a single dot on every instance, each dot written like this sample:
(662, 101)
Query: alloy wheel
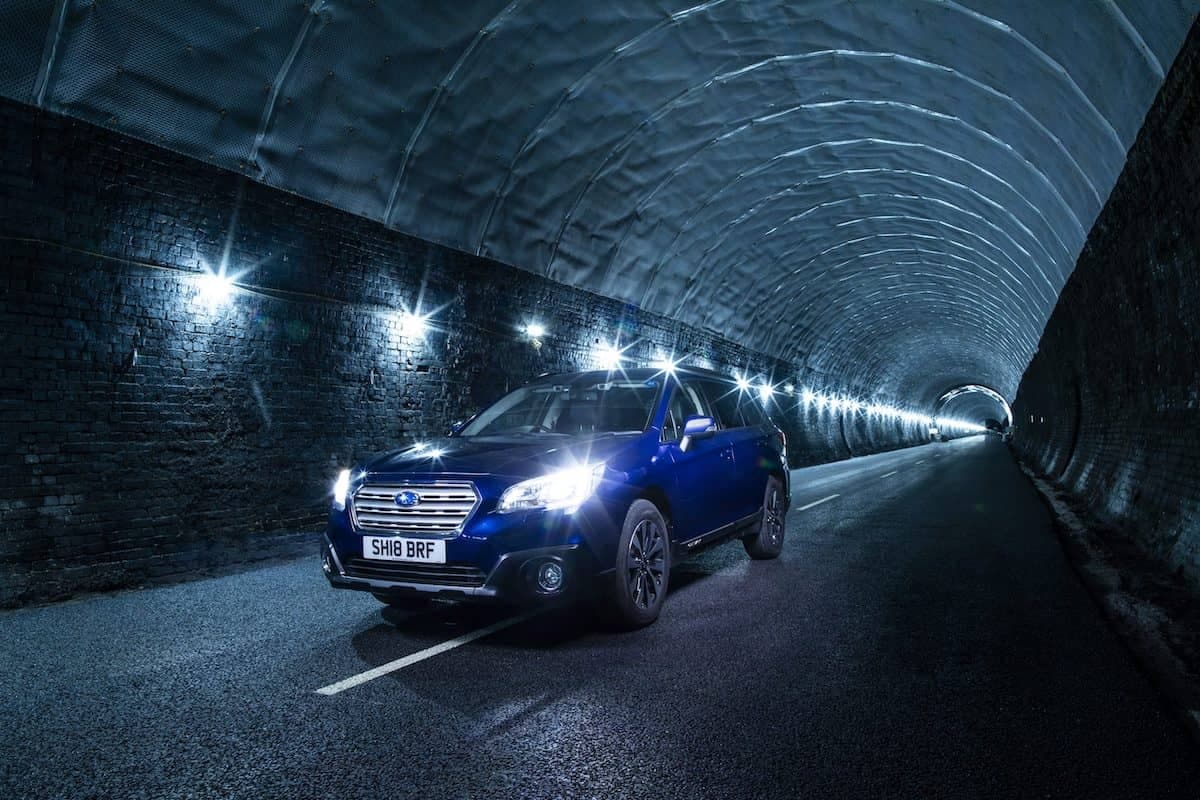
(645, 563)
(773, 519)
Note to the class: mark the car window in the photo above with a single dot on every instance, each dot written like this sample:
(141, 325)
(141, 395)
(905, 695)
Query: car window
(686, 402)
(572, 407)
(752, 412)
(735, 408)
(724, 399)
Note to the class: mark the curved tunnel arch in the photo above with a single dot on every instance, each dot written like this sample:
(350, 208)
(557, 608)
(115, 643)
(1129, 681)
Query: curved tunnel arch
(991, 400)
(875, 221)
(889, 298)
(774, 160)
(776, 116)
(889, 189)
(760, 214)
(591, 75)
(850, 248)
(876, 337)
(756, 204)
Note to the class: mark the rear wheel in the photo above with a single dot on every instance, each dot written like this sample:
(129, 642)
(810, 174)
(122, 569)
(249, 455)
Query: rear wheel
(767, 541)
(639, 583)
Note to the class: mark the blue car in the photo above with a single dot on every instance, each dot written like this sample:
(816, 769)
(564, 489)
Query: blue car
(592, 482)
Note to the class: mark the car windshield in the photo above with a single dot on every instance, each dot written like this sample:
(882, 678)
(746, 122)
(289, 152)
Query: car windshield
(569, 407)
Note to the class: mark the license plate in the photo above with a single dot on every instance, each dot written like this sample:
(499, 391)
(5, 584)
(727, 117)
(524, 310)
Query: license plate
(393, 548)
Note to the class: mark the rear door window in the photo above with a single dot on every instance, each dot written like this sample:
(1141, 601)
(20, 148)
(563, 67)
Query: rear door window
(734, 407)
(752, 412)
(724, 400)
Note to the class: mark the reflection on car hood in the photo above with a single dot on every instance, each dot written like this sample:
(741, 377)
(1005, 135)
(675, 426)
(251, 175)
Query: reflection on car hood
(516, 456)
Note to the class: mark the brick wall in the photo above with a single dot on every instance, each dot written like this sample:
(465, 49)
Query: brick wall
(1110, 405)
(146, 434)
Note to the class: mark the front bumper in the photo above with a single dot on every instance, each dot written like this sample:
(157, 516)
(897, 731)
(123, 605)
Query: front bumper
(509, 580)
(491, 559)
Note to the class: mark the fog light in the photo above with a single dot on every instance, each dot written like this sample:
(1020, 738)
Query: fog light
(550, 576)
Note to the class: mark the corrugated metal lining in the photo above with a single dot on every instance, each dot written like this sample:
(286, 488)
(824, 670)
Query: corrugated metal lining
(891, 190)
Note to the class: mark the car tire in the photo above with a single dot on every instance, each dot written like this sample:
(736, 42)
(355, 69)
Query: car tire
(638, 585)
(767, 541)
(402, 602)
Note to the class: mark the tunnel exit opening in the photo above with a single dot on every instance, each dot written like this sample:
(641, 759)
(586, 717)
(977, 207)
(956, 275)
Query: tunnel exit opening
(991, 399)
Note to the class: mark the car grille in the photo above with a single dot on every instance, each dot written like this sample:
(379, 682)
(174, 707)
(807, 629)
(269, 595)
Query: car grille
(444, 574)
(444, 507)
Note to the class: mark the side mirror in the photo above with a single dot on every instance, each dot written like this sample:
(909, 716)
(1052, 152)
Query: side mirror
(696, 427)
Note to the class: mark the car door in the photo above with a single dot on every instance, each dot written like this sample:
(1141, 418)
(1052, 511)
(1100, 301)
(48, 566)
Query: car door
(746, 477)
(762, 448)
(699, 495)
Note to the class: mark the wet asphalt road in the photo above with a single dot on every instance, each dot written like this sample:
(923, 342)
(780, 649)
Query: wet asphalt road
(922, 636)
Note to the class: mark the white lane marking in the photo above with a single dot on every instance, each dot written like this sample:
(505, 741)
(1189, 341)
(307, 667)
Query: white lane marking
(922, 461)
(429, 652)
(890, 474)
(818, 502)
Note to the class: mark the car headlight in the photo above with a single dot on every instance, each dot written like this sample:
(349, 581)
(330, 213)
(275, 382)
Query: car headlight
(341, 487)
(566, 489)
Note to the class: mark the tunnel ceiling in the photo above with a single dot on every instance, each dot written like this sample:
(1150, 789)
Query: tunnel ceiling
(891, 191)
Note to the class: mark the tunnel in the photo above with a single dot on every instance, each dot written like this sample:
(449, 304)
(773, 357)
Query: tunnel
(900, 294)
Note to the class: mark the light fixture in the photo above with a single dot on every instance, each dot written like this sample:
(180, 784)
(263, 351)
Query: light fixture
(214, 288)
(535, 330)
(765, 393)
(665, 364)
(789, 388)
(608, 357)
(413, 325)
(742, 384)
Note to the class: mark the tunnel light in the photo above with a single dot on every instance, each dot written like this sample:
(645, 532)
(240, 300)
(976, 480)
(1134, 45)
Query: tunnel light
(959, 425)
(765, 393)
(846, 403)
(535, 330)
(789, 388)
(742, 384)
(608, 357)
(413, 325)
(666, 364)
(214, 289)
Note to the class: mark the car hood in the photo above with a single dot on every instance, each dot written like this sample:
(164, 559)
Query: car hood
(517, 456)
